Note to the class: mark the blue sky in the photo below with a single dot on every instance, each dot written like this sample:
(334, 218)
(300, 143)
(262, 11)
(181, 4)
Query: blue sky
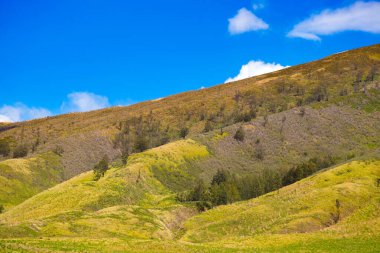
(79, 55)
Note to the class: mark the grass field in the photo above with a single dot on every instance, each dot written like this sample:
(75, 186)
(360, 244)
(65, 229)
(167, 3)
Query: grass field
(298, 218)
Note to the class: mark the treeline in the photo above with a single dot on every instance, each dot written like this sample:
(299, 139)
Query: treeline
(140, 133)
(226, 188)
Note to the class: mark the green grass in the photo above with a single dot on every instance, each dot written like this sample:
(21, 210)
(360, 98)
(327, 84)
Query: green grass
(297, 218)
(24, 177)
(305, 208)
(127, 202)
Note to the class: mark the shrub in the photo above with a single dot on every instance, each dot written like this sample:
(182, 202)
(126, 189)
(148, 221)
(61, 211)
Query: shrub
(208, 127)
(4, 147)
(1, 208)
(20, 151)
(240, 134)
(58, 150)
(183, 132)
(100, 168)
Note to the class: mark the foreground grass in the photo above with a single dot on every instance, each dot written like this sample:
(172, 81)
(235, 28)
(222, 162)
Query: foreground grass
(117, 245)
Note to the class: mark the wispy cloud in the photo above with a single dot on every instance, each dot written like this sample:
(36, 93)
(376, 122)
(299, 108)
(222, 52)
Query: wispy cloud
(76, 102)
(255, 68)
(20, 112)
(245, 21)
(360, 16)
(84, 101)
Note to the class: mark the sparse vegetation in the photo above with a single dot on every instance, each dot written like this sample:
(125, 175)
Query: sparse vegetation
(4, 147)
(20, 151)
(100, 168)
(239, 134)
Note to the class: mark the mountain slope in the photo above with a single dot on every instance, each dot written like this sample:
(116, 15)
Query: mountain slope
(329, 80)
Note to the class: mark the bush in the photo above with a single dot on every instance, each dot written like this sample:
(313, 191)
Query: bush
(20, 151)
(1, 208)
(4, 147)
(240, 134)
(183, 132)
(100, 168)
(208, 127)
(58, 150)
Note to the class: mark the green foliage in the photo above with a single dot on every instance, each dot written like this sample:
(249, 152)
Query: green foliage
(20, 151)
(208, 127)
(227, 188)
(220, 177)
(4, 147)
(240, 134)
(1, 208)
(307, 168)
(100, 168)
(183, 132)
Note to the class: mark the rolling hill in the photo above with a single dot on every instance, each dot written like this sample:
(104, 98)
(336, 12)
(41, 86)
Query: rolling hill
(160, 150)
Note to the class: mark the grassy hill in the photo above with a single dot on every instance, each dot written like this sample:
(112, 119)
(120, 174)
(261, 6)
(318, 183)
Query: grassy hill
(22, 178)
(128, 202)
(301, 217)
(329, 108)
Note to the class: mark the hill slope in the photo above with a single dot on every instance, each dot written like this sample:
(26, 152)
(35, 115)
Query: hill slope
(300, 217)
(86, 137)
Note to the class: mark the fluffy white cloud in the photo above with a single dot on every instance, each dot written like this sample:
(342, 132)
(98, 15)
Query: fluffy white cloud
(245, 21)
(360, 16)
(84, 101)
(20, 112)
(255, 68)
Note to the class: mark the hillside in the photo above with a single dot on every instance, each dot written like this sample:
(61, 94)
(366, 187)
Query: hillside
(282, 162)
(300, 217)
(333, 102)
(86, 137)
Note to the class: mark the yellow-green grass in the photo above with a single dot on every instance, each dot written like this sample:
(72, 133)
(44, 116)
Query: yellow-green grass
(300, 213)
(127, 202)
(22, 178)
(342, 245)
(297, 218)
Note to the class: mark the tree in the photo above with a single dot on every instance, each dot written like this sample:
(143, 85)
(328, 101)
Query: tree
(183, 132)
(197, 193)
(208, 127)
(4, 147)
(220, 177)
(100, 168)
(240, 134)
(20, 151)
(141, 143)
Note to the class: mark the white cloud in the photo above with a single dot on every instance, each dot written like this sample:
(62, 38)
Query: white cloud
(245, 21)
(84, 101)
(255, 68)
(257, 6)
(20, 112)
(360, 16)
